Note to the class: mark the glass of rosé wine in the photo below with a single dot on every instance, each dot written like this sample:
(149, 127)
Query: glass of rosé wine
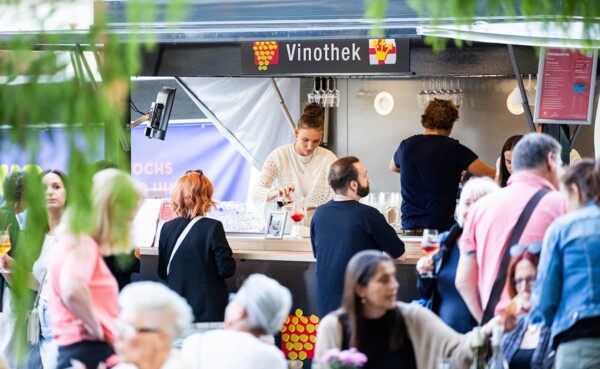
(298, 213)
(430, 244)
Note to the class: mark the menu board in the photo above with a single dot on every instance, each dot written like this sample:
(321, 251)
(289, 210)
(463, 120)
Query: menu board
(566, 83)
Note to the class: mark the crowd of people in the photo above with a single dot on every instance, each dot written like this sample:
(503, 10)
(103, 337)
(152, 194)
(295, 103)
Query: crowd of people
(519, 253)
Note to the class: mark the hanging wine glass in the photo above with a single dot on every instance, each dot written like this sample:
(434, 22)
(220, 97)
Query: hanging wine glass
(328, 98)
(313, 95)
(336, 95)
(321, 92)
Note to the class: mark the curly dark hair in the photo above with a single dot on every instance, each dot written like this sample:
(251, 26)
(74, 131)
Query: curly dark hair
(439, 114)
(14, 187)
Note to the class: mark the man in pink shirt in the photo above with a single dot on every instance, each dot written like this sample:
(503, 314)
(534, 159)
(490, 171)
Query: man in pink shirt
(536, 164)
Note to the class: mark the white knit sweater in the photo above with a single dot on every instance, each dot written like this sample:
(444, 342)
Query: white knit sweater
(284, 167)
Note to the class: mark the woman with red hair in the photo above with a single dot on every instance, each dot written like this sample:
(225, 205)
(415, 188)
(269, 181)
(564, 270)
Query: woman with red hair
(528, 345)
(194, 256)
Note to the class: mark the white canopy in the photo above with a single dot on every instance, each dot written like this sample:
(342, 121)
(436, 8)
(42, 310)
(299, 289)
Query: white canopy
(569, 35)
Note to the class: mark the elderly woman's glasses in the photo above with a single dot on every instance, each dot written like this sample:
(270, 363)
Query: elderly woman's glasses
(127, 330)
(527, 280)
(195, 171)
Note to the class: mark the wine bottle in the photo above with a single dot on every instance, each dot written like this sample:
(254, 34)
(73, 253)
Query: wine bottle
(498, 360)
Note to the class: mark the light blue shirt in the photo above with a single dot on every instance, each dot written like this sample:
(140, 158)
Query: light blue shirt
(567, 288)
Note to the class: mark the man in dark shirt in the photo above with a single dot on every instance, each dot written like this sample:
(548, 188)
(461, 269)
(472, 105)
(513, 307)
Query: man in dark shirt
(431, 165)
(343, 227)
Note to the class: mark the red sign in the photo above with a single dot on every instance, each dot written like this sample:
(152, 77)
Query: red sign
(566, 81)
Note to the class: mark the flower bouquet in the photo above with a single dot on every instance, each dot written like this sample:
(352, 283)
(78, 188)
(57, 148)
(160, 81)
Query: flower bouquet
(346, 359)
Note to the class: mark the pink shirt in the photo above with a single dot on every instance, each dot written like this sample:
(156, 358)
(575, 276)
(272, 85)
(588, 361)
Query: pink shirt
(66, 327)
(490, 222)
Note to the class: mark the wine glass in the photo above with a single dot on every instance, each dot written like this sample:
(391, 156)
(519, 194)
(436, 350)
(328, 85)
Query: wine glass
(430, 244)
(313, 96)
(5, 246)
(298, 214)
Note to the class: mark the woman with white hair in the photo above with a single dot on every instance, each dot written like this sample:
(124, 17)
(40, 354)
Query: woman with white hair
(152, 316)
(83, 291)
(446, 302)
(259, 308)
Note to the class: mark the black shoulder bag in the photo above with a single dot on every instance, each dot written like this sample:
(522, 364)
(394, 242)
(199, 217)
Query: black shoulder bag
(514, 238)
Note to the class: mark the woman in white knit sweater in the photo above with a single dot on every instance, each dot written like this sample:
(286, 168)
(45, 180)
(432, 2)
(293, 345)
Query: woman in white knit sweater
(298, 169)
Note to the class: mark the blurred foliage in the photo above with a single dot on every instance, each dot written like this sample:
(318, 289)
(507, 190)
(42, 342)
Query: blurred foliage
(39, 91)
(467, 11)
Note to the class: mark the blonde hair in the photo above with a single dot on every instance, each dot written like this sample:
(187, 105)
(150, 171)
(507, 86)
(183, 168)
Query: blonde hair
(115, 198)
(473, 190)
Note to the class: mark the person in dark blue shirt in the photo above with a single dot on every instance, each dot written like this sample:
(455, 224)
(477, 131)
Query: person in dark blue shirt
(343, 227)
(431, 165)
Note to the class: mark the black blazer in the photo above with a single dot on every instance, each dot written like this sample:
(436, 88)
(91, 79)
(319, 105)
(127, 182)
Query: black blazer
(199, 267)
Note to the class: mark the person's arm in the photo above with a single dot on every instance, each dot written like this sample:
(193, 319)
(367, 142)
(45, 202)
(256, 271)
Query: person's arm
(548, 285)
(384, 235)
(329, 336)
(223, 254)
(425, 286)
(263, 192)
(161, 268)
(75, 293)
(393, 166)
(480, 169)
(467, 279)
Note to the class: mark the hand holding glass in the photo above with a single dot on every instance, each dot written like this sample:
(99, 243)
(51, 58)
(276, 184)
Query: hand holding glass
(4, 246)
(298, 213)
(430, 244)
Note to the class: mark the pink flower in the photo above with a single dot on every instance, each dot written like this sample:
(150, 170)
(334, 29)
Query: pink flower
(347, 359)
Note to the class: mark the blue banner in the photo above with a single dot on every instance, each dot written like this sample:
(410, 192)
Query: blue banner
(158, 164)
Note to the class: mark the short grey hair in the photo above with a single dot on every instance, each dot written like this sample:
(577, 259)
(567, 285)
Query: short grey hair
(531, 152)
(473, 190)
(266, 302)
(159, 305)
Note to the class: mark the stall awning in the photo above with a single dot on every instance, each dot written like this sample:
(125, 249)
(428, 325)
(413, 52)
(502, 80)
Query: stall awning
(571, 35)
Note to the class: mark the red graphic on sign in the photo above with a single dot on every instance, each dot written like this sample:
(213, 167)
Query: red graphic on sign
(382, 51)
(265, 53)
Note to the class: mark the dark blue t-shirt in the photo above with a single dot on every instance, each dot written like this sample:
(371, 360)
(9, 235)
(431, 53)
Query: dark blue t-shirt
(338, 231)
(430, 168)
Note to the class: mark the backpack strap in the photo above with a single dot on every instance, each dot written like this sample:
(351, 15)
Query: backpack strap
(514, 238)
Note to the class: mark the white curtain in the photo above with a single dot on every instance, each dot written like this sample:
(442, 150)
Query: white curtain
(247, 111)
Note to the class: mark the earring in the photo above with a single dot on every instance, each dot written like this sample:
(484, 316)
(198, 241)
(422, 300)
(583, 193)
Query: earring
(363, 300)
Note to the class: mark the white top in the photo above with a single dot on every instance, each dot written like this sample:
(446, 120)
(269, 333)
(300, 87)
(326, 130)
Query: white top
(229, 349)
(308, 174)
(175, 361)
(40, 267)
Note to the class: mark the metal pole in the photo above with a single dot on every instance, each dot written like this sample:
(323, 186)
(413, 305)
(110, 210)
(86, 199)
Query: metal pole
(282, 104)
(515, 64)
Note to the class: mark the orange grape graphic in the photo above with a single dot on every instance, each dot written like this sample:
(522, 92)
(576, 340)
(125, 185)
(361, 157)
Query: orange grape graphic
(299, 335)
(265, 53)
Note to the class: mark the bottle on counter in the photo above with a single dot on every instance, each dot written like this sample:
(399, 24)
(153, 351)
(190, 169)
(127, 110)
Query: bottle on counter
(479, 350)
(498, 360)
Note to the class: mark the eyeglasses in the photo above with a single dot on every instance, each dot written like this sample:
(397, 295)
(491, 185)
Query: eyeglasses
(528, 281)
(127, 330)
(195, 171)
(532, 248)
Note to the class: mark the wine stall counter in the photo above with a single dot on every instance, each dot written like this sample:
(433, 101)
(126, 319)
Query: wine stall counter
(256, 247)
(290, 261)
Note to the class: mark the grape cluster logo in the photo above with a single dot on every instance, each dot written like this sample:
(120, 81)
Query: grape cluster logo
(265, 53)
(382, 51)
(299, 335)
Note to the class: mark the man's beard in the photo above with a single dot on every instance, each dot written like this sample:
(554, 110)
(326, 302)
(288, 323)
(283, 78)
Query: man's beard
(363, 191)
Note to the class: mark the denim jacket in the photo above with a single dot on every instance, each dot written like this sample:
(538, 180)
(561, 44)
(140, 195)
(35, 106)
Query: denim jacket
(567, 288)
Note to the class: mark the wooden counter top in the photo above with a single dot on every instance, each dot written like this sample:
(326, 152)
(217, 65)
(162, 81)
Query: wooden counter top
(256, 247)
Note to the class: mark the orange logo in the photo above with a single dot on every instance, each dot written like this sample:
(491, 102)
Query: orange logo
(265, 53)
